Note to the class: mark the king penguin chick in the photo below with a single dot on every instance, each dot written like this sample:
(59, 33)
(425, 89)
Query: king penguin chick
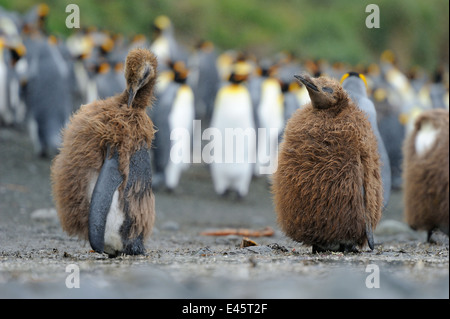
(327, 188)
(356, 86)
(101, 179)
(426, 172)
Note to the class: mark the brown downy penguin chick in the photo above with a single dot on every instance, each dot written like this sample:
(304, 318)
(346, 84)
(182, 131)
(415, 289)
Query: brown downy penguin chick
(327, 188)
(426, 172)
(101, 178)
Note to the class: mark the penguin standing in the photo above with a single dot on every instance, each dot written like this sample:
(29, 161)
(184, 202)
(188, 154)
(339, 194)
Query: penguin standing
(327, 188)
(12, 110)
(166, 48)
(270, 116)
(5, 113)
(85, 91)
(439, 91)
(101, 178)
(406, 97)
(356, 86)
(204, 79)
(119, 80)
(426, 172)
(48, 94)
(290, 101)
(12, 52)
(106, 81)
(164, 44)
(233, 112)
(392, 131)
(173, 116)
(159, 114)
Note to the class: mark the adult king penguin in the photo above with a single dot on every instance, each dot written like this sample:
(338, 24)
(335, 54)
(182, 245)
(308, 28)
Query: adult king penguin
(232, 165)
(101, 178)
(48, 93)
(356, 86)
(173, 116)
(327, 188)
(270, 116)
(426, 172)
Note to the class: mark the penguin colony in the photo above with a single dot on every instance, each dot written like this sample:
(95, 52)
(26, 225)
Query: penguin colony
(327, 189)
(44, 79)
(102, 175)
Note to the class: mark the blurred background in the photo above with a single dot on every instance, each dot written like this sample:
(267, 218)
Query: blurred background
(48, 70)
(416, 31)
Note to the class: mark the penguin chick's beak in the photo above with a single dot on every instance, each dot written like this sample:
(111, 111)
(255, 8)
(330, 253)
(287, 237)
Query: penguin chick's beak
(131, 95)
(307, 81)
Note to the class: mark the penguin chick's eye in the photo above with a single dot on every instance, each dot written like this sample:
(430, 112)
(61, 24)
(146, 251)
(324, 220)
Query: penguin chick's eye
(327, 89)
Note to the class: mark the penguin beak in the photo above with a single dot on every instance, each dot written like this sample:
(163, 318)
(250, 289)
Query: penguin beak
(307, 81)
(131, 95)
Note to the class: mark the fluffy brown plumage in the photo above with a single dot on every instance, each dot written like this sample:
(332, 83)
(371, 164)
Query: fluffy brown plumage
(121, 123)
(327, 188)
(426, 172)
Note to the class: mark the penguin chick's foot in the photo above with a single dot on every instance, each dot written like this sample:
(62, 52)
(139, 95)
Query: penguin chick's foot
(135, 246)
(337, 247)
(132, 247)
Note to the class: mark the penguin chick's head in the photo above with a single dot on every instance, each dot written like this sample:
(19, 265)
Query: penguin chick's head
(140, 69)
(324, 92)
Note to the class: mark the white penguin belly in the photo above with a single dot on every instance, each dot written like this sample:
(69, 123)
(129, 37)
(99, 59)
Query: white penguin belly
(270, 115)
(114, 220)
(181, 117)
(270, 111)
(233, 112)
(4, 114)
(425, 138)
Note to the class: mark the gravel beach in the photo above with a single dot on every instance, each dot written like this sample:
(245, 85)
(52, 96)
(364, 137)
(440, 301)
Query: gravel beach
(38, 260)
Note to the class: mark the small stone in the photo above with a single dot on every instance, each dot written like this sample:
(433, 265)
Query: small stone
(44, 214)
(247, 242)
(259, 249)
(170, 225)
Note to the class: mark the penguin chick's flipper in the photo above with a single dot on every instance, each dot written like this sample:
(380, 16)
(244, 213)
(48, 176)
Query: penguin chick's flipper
(108, 181)
(140, 173)
(369, 232)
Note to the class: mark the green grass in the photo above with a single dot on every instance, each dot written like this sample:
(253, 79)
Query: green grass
(416, 30)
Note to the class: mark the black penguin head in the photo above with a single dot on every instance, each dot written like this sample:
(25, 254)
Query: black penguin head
(180, 71)
(236, 78)
(355, 83)
(140, 69)
(324, 92)
(241, 70)
(160, 25)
